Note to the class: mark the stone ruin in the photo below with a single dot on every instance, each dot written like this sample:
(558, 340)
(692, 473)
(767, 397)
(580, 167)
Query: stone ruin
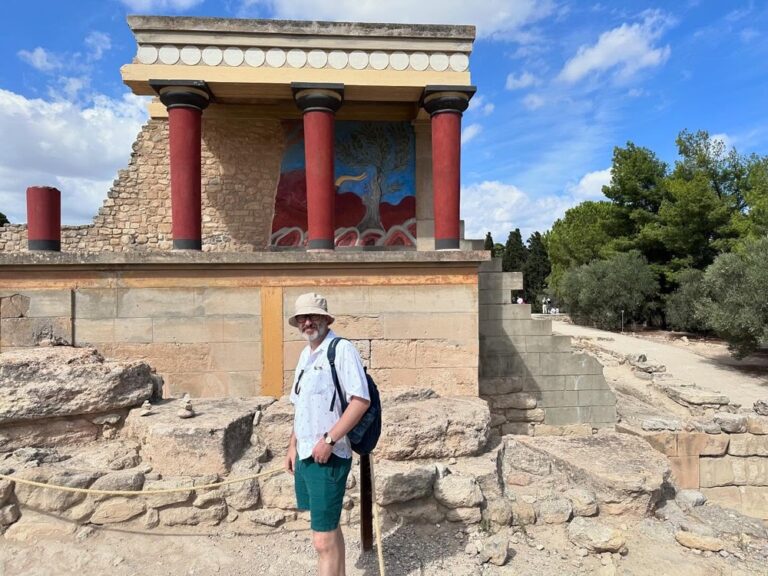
(72, 418)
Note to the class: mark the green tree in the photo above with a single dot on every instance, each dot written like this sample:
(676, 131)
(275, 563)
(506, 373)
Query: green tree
(680, 305)
(637, 180)
(3, 219)
(693, 223)
(536, 268)
(735, 296)
(515, 253)
(598, 292)
(725, 170)
(587, 231)
(755, 224)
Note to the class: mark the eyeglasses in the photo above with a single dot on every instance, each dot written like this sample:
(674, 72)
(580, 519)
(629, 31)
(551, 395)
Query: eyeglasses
(311, 317)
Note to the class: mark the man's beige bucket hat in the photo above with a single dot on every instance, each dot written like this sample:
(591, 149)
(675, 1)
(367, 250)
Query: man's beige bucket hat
(308, 304)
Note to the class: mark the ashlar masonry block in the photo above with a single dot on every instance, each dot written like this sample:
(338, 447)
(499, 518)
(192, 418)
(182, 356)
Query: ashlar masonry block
(96, 303)
(158, 303)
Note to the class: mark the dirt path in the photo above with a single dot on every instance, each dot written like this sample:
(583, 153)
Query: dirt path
(708, 365)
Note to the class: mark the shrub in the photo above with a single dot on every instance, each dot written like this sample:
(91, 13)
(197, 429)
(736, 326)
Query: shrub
(735, 301)
(596, 293)
(680, 306)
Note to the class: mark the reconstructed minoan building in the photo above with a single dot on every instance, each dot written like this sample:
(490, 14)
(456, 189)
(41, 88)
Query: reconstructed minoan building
(282, 157)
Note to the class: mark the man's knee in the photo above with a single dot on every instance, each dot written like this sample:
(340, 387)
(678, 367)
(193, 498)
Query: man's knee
(324, 542)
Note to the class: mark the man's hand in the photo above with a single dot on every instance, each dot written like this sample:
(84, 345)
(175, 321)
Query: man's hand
(322, 451)
(290, 460)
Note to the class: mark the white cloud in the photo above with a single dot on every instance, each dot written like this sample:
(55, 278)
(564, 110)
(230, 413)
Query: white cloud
(725, 139)
(499, 208)
(533, 101)
(524, 80)
(480, 106)
(98, 43)
(144, 6)
(40, 59)
(496, 18)
(626, 49)
(469, 132)
(58, 143)
(590, 187)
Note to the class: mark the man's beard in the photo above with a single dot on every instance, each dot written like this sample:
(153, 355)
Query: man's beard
(321, 329)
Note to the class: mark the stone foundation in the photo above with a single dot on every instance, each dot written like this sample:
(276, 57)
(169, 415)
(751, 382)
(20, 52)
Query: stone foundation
(731, 469)
(533, 380)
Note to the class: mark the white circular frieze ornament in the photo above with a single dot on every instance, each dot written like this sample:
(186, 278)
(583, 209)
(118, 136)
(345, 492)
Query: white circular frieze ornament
(233, 56)
(399, 60)
(254, 57)
(147, 54)
(419, 61)
(379, 60)
(296, 58)
(358, 60)
(459, 62)
(317, 58)
(439, 61)
(275, 57)
(169, 54)
(212, 55)
(190, 55)
(338, 59)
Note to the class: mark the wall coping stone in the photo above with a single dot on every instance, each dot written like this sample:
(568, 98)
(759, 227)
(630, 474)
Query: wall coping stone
(240, 259)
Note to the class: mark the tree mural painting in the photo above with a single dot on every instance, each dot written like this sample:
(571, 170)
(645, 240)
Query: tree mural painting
(382, 150)
(375, 192)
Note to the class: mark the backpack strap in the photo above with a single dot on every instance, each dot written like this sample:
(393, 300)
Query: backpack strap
(335, 376)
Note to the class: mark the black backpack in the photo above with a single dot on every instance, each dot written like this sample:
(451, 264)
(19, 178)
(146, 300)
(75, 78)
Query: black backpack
(365, 435)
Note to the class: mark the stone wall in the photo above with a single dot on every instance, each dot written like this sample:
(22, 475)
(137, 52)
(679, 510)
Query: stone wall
(533, 380)
(730, 467)
(216, 331)
(240, 169)
(408, 336)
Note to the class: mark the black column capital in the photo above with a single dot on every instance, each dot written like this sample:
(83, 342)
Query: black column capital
(318, 96)
(183, 93)
(438, 99)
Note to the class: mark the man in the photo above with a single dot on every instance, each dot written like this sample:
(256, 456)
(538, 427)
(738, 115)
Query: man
(319, 453)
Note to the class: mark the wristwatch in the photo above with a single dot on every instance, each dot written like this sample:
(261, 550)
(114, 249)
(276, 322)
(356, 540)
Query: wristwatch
(328, 440)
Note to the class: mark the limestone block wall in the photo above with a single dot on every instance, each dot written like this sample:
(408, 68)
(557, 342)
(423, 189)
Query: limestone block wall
(240, 170)
(534, 382)
(408, 336)
(730, 469)
(204, 340)
(215, 330)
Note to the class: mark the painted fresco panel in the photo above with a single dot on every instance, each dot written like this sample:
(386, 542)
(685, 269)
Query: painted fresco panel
(374, 174)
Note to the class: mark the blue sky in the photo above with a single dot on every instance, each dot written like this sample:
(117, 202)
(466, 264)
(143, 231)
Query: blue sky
(560, 83)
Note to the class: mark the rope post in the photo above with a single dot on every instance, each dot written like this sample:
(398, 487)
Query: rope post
(366, 503)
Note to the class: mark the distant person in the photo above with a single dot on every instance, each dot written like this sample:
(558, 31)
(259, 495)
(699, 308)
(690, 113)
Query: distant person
(520, 300)
(544, 309)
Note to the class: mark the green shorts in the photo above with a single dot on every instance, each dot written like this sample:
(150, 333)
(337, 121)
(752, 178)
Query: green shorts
(320, 489)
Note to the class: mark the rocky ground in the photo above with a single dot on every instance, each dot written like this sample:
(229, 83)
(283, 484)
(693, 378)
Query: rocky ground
(552, 505)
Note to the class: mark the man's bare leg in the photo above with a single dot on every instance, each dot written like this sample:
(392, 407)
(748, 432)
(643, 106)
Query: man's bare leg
(330, 552)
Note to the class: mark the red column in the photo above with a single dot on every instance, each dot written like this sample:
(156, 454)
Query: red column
(43, 218)
(445, 105)
(186, 203)
(446, 178)
(319, 103)
(185, 102)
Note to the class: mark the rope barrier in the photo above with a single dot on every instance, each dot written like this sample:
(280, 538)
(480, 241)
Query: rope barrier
(139, 492)
(270, 472)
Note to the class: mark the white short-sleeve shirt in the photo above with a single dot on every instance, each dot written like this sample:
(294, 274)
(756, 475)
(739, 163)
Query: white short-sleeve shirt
(313, 392)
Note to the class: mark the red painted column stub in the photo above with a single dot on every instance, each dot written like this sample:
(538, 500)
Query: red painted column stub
(445, 105)
(319, 103)
(185, 104)
(43, 218)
